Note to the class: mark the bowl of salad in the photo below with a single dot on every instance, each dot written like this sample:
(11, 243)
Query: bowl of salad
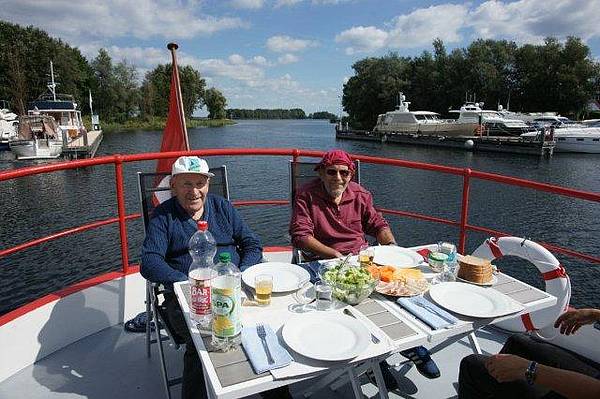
(351, 283)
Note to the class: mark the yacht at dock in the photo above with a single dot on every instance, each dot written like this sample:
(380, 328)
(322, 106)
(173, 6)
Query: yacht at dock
(404, 121)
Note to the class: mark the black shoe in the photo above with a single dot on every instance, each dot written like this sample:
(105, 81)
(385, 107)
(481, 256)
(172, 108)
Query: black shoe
(421, 357)
(388, 378)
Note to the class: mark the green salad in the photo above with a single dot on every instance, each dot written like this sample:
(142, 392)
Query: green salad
(350, 284)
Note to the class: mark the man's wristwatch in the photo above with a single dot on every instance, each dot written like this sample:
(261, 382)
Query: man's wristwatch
(530, 373)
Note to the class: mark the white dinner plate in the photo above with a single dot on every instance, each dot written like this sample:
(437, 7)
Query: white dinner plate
(329, 336)
(286, 276)
(472, 300)
(398, 257)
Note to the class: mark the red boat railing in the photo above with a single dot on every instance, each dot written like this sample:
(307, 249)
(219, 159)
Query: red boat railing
(462, 224)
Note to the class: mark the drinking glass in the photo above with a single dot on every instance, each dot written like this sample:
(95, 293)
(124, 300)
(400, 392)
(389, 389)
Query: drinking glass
(263, 284)
(366, 255)
(303, 296)
(323, 295)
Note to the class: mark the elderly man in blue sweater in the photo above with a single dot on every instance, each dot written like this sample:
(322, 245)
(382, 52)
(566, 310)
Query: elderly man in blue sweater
(165, 256)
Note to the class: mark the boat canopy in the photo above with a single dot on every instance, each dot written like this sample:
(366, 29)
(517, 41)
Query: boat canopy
(37, 126)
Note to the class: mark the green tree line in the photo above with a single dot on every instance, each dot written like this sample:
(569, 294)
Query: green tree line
(554, 76)
(118, 94)
(294, 113)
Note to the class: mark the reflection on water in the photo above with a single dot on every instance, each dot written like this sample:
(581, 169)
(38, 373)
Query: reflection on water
(39, 205)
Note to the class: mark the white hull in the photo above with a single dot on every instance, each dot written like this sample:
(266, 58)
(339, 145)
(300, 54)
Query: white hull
(36, 148)
(582, 140)
(433, 129)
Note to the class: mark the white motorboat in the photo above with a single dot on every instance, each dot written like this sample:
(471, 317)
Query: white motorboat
(494, 123)
(570, 136)
(8, 124)
(402, 120)
(39, 137)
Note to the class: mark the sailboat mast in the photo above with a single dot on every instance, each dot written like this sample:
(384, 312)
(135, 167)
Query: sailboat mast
(52, 85)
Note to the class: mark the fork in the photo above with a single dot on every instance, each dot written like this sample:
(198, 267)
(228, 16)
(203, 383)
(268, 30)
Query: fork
(262, 334)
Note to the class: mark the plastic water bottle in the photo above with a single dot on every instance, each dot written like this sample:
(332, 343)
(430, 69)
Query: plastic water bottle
(202, 247)
(226, 303)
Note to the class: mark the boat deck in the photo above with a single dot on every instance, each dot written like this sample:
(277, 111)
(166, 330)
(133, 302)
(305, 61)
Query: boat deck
(113, 364)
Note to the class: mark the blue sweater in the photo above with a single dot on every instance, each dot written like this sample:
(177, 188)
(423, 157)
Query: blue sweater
(165, 256)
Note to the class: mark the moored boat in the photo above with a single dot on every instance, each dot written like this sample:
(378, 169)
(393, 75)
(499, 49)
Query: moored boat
(570, 136)
(8, 124)
(494, 123)
(404, 121)
(39, 137)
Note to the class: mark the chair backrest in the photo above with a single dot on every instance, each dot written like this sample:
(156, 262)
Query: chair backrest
(149, 185)
(303, 172)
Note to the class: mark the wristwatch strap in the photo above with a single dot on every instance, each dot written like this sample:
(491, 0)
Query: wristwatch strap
(530, 373)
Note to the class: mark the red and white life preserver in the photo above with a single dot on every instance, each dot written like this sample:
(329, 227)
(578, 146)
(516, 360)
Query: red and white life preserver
(553, 273)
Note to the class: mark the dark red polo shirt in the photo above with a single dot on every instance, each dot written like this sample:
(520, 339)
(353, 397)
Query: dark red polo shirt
(342, 227)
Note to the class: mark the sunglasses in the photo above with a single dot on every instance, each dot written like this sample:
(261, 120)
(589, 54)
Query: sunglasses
(333, 172)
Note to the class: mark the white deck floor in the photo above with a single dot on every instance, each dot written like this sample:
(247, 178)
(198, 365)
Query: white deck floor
(115, 366)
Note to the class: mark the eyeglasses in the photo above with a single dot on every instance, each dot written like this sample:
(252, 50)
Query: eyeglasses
(332, 172)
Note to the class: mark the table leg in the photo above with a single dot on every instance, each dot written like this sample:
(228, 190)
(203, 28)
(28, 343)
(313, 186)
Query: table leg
(358, 371)
(354, 382)
(323, 382)
(474, 343)
(383, 392)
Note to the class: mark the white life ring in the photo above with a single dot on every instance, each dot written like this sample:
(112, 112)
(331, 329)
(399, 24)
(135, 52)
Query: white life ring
(553, 273)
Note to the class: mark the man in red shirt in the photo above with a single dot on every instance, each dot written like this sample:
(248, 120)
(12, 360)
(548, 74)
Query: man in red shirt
(330, 218)
(332, 214)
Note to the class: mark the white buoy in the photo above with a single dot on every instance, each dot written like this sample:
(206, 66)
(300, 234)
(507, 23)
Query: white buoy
(469, 144)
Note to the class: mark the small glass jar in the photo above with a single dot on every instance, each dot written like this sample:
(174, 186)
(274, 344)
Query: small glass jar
(436, 261)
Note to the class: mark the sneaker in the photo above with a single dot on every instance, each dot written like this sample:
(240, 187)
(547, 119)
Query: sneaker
(388, 378)
(421, 357)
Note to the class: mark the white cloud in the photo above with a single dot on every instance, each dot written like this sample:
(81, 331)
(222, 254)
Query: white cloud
(260, 60)
(533, 20)
(286, 3)
(248, 4)
(82, 22)
(422, 26)
(521, 21)
(362, 39)
(288, 59)
(282, 44)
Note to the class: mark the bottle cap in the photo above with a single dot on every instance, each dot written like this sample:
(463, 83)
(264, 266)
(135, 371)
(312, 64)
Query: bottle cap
(202, 225)
(225, 257)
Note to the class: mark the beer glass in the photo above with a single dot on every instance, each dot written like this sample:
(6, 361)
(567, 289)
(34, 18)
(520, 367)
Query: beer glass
(263, 284)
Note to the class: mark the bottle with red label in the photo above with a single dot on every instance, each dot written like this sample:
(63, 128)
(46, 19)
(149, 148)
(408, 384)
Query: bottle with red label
(202, 248)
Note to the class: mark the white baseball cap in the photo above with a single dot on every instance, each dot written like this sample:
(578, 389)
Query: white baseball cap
(190, 165)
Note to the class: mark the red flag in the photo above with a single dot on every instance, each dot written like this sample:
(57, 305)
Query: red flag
(175, 134)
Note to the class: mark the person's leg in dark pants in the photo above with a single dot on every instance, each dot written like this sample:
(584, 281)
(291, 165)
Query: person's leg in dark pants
(474, 382)
(192, 386)
(542, 352)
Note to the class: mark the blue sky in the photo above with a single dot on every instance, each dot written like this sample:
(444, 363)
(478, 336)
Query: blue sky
(293, 53)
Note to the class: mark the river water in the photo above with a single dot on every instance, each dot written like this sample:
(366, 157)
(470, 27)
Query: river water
(40, 205)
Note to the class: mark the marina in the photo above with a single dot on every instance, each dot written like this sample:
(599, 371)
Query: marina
(538, 145)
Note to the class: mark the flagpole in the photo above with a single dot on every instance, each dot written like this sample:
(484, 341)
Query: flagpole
(173, 47)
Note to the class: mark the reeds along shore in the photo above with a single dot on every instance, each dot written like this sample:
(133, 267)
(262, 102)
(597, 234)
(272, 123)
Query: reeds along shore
(155, 123)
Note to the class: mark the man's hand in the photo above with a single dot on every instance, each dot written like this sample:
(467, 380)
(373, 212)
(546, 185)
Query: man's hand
(505, 368)
(572, 320)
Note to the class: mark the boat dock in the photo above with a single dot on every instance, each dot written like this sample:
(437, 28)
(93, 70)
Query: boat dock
(84, 146)
(539, 146)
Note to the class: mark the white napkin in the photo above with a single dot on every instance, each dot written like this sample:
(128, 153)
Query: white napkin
(253, 346)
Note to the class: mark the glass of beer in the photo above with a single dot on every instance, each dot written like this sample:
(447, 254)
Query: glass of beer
(365, 256)
(263, 284)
